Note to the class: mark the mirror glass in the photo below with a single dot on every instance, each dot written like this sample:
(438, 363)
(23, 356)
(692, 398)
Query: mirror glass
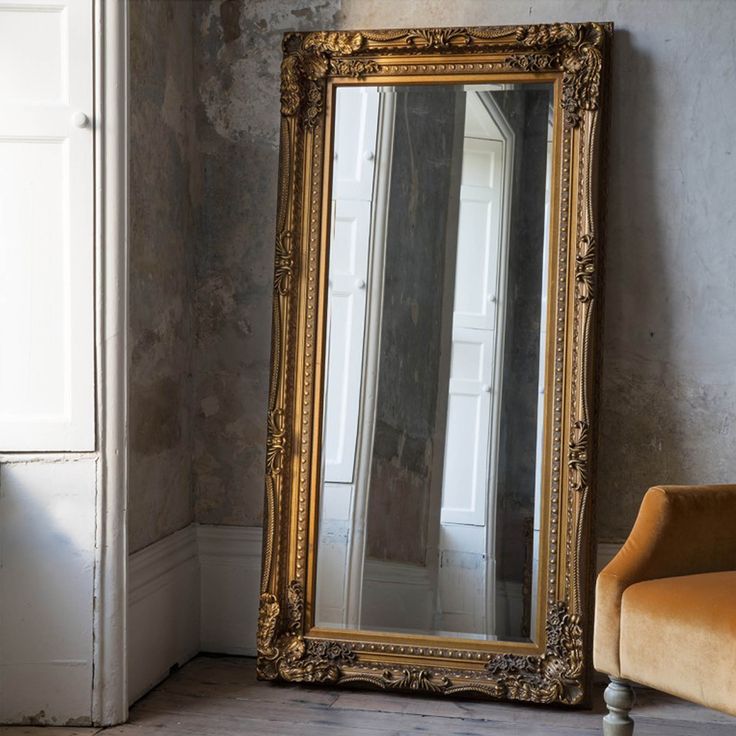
(434, 367)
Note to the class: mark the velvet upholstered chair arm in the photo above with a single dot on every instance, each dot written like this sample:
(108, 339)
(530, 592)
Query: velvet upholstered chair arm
(680, 530)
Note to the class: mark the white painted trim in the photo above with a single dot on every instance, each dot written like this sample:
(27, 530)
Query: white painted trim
(148, 567)
(230, 565)
(230, 544)
(195, 590)
(163, 609)
(109, 688)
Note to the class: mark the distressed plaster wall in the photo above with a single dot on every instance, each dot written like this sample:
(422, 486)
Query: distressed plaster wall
(163, 176)
(668, 387)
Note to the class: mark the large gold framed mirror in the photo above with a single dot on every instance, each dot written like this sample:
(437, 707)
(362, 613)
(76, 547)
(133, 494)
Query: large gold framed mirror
(429, 459)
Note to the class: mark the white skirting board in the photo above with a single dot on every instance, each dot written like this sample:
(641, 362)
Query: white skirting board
(163, 609)
(197, 591)
(230, 566)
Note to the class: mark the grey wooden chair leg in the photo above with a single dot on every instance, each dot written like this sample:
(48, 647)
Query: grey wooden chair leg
(619, 697)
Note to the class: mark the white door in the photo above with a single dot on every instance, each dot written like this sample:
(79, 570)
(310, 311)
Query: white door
(46, 226)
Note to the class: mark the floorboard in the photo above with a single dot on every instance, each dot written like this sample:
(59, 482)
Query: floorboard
(219, 696)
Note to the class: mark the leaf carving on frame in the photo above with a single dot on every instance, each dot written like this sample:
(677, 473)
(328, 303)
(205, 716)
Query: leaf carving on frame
(536, 62)
(334, 651)
(438, 38)
(435, 38)
(304, 69)
(326, 43)
(585, 268)
(412, 679)
(284, 262)
(315, 103)
(578, 456)
(275, 442)
(417, 680)
(287, 655)
(555, 676)
(291, 83)
(268, 613)
(510, 665)
(576, 48)
(356, 68)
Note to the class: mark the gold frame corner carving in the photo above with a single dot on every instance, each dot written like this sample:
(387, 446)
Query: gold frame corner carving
(556, 669)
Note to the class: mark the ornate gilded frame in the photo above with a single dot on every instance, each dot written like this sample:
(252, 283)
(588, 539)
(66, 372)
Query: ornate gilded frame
(554, 667)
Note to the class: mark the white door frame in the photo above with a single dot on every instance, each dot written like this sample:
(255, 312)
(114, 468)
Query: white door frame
(110, 125)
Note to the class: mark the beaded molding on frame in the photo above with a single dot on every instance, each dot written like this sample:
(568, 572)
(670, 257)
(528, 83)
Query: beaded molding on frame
(575, 54)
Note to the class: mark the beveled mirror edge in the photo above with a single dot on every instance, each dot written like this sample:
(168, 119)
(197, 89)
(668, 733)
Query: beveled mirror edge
(449, 642)
(557, 669)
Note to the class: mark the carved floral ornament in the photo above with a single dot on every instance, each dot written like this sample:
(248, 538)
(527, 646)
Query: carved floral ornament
(573, 48)
(578, 455)
(585, 262)
(284, 265)
(554, 676)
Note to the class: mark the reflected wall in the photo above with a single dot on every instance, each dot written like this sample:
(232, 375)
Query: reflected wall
(436, 331)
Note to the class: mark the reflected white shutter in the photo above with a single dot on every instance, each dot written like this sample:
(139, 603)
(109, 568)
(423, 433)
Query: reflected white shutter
(468, 432)
(479, 235)
(347, 303)
(356, 118)
(46, 226)
(467, 444)
(355, 139)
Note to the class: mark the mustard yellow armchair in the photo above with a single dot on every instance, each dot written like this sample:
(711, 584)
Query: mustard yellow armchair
(665, 609)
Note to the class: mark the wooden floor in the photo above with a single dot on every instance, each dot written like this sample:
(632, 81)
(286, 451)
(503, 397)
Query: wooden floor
(219, 696)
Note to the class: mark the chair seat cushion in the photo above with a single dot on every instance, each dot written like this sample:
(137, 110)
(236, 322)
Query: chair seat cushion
(679, 635)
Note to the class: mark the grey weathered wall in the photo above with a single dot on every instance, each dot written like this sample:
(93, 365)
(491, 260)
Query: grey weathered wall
(668, 386)
(163, 174)
(237, 127)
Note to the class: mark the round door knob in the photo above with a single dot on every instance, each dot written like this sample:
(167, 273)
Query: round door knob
(80, 119)
(369, 155)
(486, 388)
(360, 284)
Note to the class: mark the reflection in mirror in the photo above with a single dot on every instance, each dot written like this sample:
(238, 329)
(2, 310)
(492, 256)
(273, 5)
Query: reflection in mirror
(431, 456)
